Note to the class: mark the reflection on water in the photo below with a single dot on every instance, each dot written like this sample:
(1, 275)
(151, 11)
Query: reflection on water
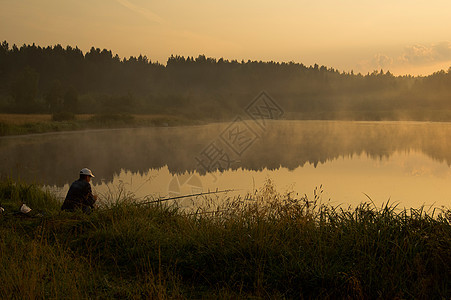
(407, 162)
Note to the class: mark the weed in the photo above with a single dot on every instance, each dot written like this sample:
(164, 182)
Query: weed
(263, 245)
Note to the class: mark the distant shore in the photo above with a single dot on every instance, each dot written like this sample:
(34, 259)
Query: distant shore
(23, 124)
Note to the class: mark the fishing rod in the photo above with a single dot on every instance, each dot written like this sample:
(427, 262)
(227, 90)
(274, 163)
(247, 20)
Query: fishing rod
(184, 196)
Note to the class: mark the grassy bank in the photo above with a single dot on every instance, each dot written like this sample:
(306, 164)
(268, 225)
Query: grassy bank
(266, 246)
(19, 124)
(417, 115)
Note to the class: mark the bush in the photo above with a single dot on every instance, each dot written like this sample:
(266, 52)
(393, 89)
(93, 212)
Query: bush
(63, 116)
(113, 118)
(3, 128)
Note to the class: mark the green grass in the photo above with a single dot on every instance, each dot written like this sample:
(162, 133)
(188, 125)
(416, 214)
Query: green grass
(101, 121)
(267, 245)
(41, 127)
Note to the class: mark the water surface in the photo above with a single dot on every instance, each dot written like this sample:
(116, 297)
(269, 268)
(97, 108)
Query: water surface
(406, 162)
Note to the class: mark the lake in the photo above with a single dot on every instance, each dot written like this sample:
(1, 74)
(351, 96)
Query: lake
(405, 162)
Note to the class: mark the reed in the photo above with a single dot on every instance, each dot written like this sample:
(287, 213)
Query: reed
(264, 245)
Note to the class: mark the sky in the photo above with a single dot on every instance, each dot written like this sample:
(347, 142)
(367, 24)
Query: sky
(400, 36)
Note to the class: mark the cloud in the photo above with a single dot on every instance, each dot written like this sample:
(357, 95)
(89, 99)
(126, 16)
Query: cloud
(377, 62)
(382, 61)
(421, 54)
(142, 11)
(443, 50)
(414, 58)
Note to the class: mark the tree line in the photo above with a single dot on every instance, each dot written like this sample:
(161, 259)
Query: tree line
(35, 79)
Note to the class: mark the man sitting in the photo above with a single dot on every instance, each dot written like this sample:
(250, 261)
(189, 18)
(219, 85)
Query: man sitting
(80, 194)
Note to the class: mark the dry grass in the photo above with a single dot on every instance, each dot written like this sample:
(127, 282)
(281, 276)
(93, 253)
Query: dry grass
(19, 124)
(20, 119)
(264, 246)
(151, 117)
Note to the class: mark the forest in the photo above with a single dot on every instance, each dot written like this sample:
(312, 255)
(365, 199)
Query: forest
(35, 79)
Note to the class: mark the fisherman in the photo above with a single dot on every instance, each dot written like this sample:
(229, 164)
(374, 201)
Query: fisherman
(80, 194)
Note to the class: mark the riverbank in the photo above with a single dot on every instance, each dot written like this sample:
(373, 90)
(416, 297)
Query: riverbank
(21, 124)
(267, 246)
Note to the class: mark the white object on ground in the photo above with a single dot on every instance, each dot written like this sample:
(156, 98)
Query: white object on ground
(25, 209)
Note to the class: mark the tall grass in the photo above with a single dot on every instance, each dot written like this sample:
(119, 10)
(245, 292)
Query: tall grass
(264, 245)
(14, 193)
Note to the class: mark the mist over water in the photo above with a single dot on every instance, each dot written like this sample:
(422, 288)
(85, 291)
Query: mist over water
(404, 161)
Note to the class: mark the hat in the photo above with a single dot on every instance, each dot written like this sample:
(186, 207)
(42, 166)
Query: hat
(86, 171)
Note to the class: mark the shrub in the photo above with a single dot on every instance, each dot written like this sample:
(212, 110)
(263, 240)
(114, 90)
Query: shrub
(63, 116)
(109, 118)
(3, 128)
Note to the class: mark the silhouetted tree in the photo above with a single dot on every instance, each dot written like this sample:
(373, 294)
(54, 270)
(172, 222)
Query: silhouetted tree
(25, 88)
(71, 100)
(54, 97)
(201, 85)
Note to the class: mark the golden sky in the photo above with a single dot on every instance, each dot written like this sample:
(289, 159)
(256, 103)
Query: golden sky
(403, 36)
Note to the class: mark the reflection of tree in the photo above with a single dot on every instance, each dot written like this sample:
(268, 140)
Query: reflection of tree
(56, 158)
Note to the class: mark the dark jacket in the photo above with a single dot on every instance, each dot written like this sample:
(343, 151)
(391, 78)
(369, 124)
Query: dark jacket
(79, 196)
